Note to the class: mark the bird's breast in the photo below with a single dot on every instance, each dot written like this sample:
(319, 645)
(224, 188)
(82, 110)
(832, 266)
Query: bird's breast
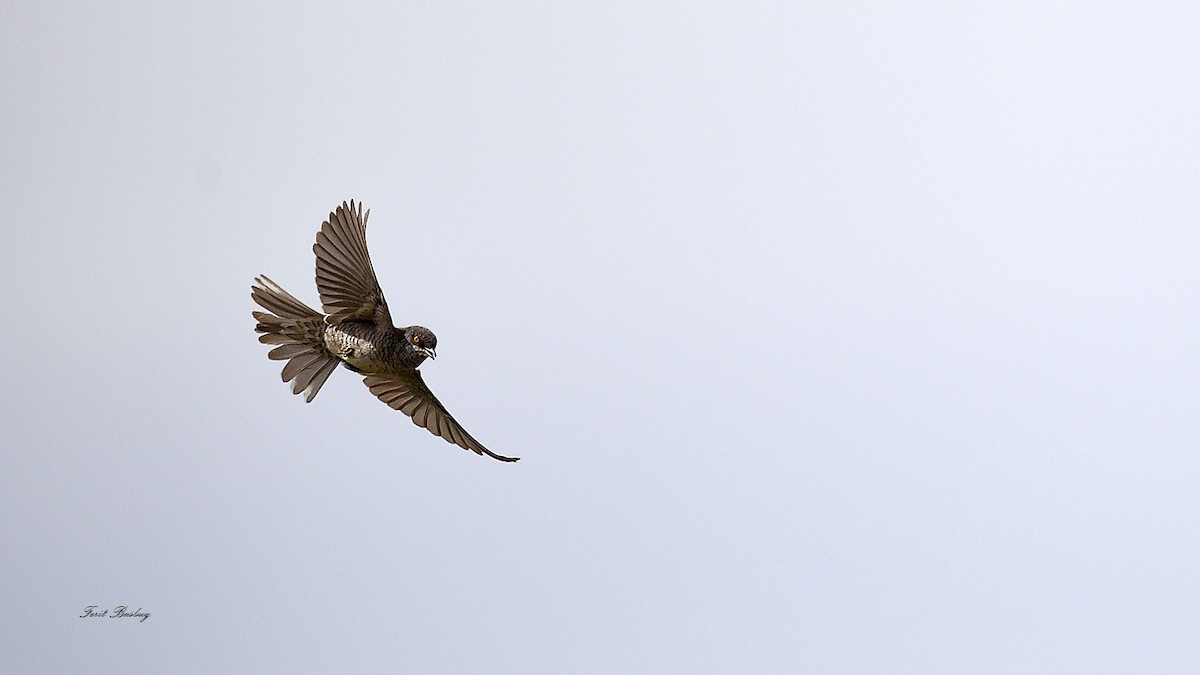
(362, 352)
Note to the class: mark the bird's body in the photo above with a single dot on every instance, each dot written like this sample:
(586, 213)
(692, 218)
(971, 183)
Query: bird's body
(365, 348)
(355, 331)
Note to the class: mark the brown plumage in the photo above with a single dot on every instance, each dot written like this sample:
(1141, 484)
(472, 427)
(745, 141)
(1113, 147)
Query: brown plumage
(356, 331)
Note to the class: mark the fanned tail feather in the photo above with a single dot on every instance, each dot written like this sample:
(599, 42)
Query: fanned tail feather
(297, 330)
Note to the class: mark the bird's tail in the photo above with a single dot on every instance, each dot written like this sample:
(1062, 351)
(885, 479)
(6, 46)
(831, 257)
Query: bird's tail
(297, 330)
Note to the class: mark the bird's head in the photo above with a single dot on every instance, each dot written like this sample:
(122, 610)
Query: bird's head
(421, 340)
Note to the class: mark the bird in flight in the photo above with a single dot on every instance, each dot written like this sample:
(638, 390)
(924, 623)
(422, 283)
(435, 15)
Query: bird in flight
(355, 331)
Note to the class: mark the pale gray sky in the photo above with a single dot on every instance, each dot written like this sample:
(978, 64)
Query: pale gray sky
(839, 337)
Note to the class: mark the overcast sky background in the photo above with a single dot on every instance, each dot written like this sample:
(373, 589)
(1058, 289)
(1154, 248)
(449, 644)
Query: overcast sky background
(833, 337)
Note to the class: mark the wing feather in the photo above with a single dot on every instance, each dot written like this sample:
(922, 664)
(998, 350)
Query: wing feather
(345, 277)
(407, 393)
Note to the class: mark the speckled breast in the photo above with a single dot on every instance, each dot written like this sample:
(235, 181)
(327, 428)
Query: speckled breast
(362, 353)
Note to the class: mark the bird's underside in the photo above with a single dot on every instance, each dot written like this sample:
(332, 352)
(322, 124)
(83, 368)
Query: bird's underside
(355, 330)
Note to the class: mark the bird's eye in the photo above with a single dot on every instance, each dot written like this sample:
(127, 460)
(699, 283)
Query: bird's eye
(416, 340)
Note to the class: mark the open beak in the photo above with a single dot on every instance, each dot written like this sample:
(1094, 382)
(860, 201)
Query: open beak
(429, 352)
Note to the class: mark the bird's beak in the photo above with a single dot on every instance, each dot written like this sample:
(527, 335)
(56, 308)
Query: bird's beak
(429, 352)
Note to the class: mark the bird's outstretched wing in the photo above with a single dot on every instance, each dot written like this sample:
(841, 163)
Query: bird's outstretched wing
(345, 278)
(408, 394)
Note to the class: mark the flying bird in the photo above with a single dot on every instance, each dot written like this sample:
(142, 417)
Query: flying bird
(355, 331)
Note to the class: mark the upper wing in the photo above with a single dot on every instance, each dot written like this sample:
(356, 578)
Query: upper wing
(408, 394)
(345, 277)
